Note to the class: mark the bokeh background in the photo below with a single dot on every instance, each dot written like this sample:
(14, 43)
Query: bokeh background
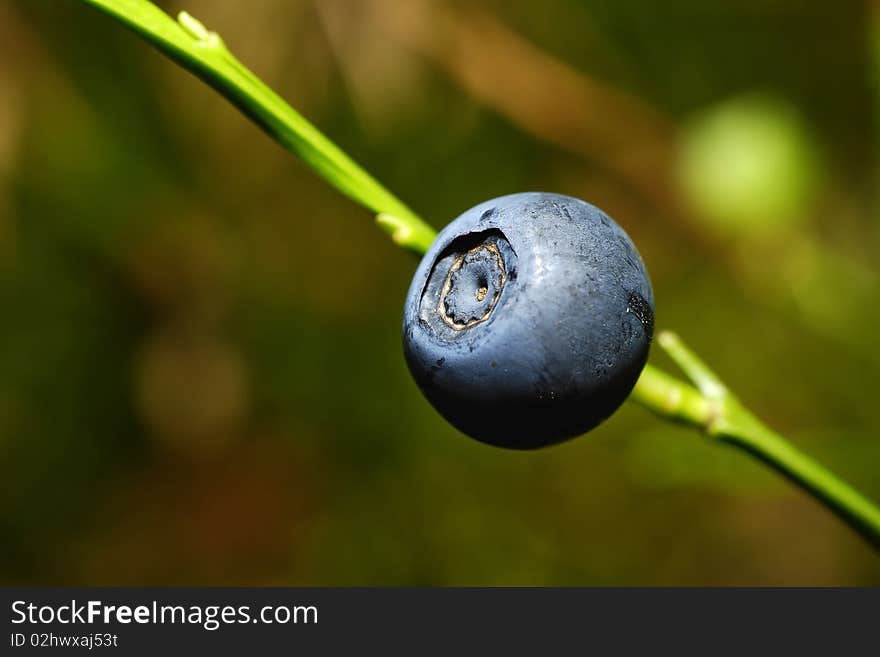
(201, 379)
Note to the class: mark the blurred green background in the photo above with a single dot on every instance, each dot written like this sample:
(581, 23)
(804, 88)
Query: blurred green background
(201, 379)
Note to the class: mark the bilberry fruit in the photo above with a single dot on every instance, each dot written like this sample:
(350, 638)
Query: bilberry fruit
(529, 320)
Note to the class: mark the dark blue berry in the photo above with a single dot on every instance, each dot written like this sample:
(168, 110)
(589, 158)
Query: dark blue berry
(529, 320)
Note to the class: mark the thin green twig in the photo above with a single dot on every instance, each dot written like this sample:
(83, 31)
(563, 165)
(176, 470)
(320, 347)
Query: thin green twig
(707, 405)
(202, 52)
(711, 408)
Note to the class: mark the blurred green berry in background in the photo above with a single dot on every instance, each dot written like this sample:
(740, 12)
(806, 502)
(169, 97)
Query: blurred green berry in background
(749, 164)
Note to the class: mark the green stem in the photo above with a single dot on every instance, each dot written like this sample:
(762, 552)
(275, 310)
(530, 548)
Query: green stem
(203, 53)
(670, 398)
(714, 410)
(844, 500)
(707, 405)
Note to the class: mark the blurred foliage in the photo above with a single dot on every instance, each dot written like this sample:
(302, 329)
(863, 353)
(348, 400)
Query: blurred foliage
(200, 370)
